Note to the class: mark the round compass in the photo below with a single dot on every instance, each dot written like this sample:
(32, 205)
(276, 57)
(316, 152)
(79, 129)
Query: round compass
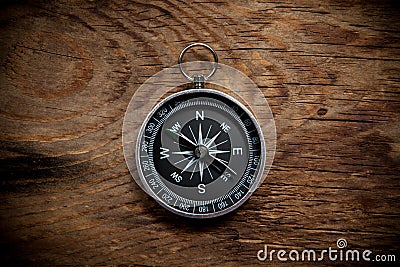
(200, 153)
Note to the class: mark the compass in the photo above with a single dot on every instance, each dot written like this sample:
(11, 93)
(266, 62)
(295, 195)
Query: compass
(200, 152)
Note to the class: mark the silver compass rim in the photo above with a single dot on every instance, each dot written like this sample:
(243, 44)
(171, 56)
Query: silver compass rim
(256, 182)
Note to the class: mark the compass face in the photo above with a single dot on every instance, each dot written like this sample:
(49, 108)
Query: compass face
(200, 153)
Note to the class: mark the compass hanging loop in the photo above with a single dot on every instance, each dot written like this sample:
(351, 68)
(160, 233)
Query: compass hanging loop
(198, 80)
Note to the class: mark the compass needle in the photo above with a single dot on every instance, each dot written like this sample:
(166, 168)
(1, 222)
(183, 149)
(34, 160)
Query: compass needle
(212, 177)
(194, 138)
(200, 140)
(208, 132)
(182, 160)
(212, 139)
(218, 151)
(223, 142)
(187, 153)
(182, 135)
(193, 160)
(194, 169)
(180, 144)
(201, 169)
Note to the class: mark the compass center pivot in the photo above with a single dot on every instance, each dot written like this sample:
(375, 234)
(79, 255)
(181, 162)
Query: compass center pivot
(201, 152)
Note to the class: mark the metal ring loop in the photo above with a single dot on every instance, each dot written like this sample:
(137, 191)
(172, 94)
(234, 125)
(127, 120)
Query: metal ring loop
(203, 45)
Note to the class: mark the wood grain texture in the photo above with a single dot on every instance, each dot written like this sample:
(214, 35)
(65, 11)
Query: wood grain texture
(329, 70)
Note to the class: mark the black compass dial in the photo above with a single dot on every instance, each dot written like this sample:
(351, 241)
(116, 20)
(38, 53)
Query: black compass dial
(202, 160)
(199, 153)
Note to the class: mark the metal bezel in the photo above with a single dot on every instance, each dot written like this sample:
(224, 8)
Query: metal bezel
(257, 179)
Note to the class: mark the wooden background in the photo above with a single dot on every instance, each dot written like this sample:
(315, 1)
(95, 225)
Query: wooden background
(329, 70)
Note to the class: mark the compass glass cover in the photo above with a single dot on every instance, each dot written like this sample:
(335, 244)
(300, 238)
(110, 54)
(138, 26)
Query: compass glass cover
(200, 153)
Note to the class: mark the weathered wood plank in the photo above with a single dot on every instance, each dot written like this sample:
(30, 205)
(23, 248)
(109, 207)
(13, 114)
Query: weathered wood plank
(329, 70)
